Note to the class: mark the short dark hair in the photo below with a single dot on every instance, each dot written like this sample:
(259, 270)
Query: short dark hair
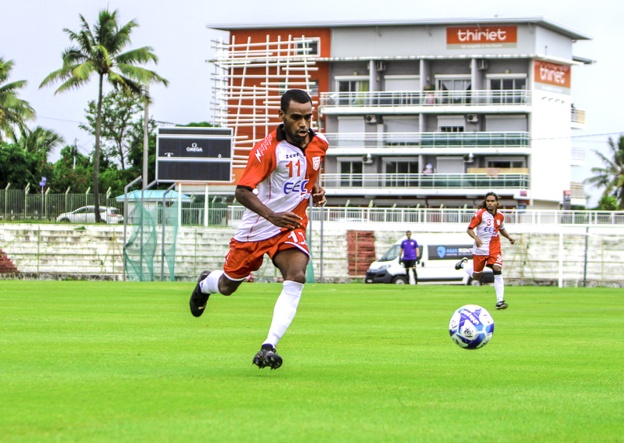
(297, 95)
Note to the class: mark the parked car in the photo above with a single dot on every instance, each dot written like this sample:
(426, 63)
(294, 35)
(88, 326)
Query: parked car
(86, 214)
(438, 255)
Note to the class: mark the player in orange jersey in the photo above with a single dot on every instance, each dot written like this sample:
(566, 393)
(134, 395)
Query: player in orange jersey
(281, 174)
(484, 229)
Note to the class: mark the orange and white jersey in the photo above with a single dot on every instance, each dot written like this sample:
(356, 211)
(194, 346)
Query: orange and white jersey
(283, 176)
(486, 227)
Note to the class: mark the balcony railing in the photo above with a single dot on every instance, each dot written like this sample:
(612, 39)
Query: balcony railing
(578, 116)
(427, 181)
(387, 99)
(430, 139)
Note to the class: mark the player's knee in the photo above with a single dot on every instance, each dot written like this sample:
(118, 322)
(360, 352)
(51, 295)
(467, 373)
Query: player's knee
(298, 276)
(497, 271)
(228, 287)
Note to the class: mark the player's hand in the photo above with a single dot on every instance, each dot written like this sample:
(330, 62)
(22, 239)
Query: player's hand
(512, 240)
(478, 242)
(288, 220)
(318, 196)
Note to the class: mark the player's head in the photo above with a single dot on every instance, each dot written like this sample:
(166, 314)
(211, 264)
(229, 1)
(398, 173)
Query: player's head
(296, 114)
(408, 234)
(296, 95)
(490, 202)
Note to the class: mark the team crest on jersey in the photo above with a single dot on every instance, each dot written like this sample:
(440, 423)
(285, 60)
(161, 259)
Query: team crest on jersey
(316, 163)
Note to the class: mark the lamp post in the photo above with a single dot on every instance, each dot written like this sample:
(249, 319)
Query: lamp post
(145, 137)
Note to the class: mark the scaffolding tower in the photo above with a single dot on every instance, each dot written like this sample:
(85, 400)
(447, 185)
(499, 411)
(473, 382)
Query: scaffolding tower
(249, 80)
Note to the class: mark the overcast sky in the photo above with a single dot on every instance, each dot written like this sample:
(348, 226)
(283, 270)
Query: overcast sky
(32, 36)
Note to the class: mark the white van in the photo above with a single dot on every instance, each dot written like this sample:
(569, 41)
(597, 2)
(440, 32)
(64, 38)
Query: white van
(438, 256)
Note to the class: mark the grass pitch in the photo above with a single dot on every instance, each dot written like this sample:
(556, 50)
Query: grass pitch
(126, 362)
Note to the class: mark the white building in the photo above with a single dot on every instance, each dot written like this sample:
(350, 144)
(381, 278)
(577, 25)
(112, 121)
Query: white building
(418, 113)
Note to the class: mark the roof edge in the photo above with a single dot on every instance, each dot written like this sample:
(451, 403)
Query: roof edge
(538, 21)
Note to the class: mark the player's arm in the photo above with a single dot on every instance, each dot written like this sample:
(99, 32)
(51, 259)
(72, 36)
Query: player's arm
(471, 233)
(504, 233)
(248, 199)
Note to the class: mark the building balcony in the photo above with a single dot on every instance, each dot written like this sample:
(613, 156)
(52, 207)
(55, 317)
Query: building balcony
(425, 184)
(578, 118)
(406, 102)
(427, 142)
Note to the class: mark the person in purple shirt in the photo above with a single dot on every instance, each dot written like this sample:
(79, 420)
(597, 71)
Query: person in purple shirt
(409, 256)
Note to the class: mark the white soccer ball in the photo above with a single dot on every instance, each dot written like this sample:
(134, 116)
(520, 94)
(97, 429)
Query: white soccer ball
(471, 327)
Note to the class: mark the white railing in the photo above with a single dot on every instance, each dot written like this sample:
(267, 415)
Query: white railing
(388, 99)
(449, 215)
(427, 181)
(503, 139)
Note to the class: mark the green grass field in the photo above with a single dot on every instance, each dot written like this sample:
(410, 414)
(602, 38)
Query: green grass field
(126, 362)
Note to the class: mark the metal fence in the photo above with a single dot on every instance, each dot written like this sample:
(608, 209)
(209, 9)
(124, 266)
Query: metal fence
(17, 205)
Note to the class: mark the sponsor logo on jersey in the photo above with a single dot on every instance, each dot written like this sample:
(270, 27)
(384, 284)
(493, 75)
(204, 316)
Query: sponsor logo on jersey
(298, 187)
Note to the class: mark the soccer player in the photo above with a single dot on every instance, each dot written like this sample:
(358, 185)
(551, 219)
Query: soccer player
(488, 224)
(281, 174)
(409, 256)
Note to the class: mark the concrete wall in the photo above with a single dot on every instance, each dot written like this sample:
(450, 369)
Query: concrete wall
(541, 255)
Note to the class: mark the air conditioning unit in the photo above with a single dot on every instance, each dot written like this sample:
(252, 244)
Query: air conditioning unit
(482, 64)
(469, 158)
(367, 159)
(380, 66)
(472, 118)
(371, 119)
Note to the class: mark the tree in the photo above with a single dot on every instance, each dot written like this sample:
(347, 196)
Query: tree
(98, 52)
(16, 166)
(119, 113)
(40, 142)
(611, 176)
(73, 170)
(14, 112)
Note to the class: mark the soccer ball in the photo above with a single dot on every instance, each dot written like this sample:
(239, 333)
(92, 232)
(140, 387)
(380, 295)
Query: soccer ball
(471, 327)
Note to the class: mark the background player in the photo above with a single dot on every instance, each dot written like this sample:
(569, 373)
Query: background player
(281, 174)
(409, 256)
(488, 224)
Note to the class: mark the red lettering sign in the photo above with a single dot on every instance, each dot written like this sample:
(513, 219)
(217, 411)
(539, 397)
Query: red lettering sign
(552, 74)
(481, 35)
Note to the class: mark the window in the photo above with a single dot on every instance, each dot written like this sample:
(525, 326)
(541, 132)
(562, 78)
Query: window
(351, 173)
(308, 46)
(313, 87)
(456, 89)
(401, 173)
(353, 91)
(451, 129)
(504, 164)
(506, 89)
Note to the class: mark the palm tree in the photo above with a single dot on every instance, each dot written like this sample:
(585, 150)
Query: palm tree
(98, 51)
(611, 176)
(14, 112)
(40, 141)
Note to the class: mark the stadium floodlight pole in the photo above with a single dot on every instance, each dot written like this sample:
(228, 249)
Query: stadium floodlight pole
(145, 137)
